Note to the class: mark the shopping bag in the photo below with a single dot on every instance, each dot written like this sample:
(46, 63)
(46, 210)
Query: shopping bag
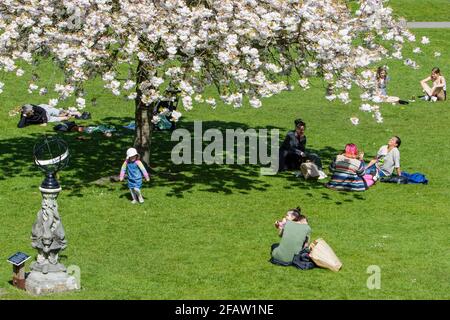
(323, 256)
(309, 170)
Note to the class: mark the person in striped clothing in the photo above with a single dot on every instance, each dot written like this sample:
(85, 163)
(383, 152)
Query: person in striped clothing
(134, 169)
(348, 171)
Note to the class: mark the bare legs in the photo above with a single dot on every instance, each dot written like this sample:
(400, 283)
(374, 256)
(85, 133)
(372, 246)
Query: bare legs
(426, 88)
(390, 99)
(433, 92)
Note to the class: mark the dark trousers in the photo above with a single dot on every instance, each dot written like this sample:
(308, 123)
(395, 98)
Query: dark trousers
(292, 161)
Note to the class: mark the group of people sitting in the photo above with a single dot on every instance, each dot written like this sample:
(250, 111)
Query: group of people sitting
(436, 92)
(349, 171)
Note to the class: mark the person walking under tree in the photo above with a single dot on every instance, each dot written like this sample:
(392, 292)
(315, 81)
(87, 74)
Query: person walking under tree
(134, 169)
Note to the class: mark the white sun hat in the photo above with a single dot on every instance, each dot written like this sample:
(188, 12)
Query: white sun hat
(131, 152)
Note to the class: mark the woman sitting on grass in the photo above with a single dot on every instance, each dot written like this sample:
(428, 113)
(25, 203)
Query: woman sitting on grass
(439, 90)
(295, 235)
(381, 91)
(348, 171)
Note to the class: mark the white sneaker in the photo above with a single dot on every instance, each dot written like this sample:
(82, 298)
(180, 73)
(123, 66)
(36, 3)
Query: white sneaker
(133, 196)
(139, 195)
(322, 175)
(434, 99)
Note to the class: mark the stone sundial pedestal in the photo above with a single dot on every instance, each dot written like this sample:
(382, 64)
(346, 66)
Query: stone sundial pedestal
(47, 274)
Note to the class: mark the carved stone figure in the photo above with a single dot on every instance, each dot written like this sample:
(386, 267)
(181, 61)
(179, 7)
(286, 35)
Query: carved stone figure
(48, 235)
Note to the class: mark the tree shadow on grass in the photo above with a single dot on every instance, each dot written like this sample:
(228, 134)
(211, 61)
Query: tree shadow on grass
(216, 178)
(93, 161)
(89, 159)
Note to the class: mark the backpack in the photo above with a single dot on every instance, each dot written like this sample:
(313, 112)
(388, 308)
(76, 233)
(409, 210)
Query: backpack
(309, 170)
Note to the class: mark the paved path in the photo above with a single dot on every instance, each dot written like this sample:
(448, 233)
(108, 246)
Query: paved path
(426, 25)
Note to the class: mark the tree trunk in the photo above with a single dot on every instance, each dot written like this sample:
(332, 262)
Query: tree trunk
(143, 117)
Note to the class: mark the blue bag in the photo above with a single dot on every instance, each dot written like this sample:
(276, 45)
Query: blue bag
(415, 178)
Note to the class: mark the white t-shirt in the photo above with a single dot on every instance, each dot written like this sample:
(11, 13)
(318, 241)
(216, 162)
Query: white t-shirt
(387, 161)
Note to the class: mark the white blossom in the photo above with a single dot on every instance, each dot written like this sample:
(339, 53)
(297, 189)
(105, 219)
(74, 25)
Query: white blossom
(243, 47)
(187, 102)
(354, 120)
(425, 40)
(198, 98)
(365, 107)
(156, 119)
(53, 102)
(129, 85)
(81, 103)
(397, 55)
(344, 97)
(411, 63)
(255, 102)
(211, 102)
(32, 87)
(304, 83)
(132, 96)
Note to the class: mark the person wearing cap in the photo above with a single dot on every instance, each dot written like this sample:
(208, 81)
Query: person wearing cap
(293, 150)
(134, 169)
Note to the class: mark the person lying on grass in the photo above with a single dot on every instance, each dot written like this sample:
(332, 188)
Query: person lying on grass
(387, 159)
(42, 114)
(438, 92)
(295, 235)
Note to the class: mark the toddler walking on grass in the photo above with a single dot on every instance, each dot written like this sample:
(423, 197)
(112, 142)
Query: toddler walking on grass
(134, 169)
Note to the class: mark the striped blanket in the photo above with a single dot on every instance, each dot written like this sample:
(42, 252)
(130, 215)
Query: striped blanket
(347, 175)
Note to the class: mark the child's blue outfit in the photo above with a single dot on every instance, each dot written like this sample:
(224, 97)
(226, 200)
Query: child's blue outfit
(134, 171)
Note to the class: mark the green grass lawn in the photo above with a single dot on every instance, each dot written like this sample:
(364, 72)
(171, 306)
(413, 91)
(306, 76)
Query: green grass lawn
(422, 10)
(205, 232)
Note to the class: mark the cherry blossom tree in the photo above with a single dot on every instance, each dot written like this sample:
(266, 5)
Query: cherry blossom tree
(247, 49)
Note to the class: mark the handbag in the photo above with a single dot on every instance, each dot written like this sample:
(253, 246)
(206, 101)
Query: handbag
(309, 170)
